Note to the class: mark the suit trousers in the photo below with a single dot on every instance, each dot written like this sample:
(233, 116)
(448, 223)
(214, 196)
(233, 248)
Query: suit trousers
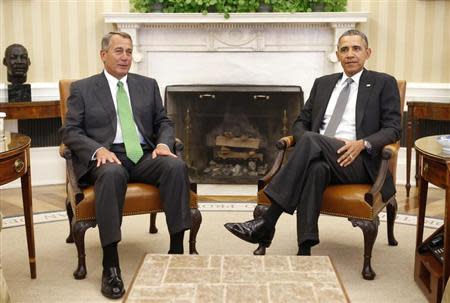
(110, 180)
(300, 184)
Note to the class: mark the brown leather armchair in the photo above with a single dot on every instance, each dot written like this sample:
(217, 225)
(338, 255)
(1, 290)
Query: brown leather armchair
(360, 203)
(140, 199)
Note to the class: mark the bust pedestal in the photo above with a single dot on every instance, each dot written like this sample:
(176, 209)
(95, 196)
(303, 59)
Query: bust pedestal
(19, 92)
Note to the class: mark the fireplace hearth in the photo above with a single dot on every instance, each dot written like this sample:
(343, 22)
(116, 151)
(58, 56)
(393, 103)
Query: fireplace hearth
(229, 131)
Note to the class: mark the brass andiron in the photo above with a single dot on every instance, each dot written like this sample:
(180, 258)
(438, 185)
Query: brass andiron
(187, 137)
(284, 130)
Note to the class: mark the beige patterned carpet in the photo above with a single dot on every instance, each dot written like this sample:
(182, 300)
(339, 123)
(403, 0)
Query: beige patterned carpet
(344, 244)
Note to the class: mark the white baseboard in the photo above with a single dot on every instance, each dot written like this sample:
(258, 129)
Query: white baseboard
(47, 168)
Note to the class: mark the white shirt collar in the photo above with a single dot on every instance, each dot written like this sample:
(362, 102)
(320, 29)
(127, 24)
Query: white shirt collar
(113, 80)
(355, 77)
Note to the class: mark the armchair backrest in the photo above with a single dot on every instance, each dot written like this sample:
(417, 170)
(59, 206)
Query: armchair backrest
(402, 90)
(393, 163)
(64, 93)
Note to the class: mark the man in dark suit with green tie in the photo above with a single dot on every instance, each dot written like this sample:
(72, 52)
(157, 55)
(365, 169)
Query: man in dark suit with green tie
(118, 131)
(339, 136)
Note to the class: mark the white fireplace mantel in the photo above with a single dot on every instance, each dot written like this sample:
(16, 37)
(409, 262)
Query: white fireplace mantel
(249, 48)
(122, 19)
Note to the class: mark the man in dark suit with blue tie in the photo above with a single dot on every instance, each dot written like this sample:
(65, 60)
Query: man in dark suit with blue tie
(339, 135)
(118, 131)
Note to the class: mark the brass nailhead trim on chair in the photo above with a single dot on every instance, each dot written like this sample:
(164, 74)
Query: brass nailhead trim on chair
(348, 216)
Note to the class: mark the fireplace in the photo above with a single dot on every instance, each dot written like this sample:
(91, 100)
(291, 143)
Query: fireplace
(263, 50)
(229, 131)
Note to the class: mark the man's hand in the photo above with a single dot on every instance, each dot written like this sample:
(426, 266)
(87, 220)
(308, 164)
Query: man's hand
(103, 155)
(349, 152)
(162, 150)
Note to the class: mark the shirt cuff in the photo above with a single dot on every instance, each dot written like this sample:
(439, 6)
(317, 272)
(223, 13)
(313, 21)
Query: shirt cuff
(94, 157)
(368, 146)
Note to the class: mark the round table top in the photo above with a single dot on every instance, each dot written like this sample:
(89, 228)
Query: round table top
(429, 146)
(14, 142)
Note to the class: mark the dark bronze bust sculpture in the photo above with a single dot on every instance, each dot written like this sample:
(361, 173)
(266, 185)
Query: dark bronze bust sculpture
(17, 62)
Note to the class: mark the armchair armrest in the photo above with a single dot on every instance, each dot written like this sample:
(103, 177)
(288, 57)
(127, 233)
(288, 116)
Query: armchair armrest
(74, 192)
(178, 148)
(65, 152)
(282, 145)
(285, 142)
(389, 151)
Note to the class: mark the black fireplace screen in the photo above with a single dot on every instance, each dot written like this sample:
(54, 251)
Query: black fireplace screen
(229, 131)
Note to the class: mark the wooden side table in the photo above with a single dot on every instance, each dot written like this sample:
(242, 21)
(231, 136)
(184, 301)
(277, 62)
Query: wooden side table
(30, 110)
(434, 166)
(15, 163)
(416, 112)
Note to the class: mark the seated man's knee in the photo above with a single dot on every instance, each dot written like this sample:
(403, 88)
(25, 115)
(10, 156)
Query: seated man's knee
(175, 165)
(113, 172)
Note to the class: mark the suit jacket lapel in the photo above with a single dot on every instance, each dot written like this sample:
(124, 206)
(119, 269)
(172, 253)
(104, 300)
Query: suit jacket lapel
(104, 97)
(323, 97)
(366, 83)
(135, 101)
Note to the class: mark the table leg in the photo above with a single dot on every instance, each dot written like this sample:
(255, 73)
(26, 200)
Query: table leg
(423, 191)
(446, 271)
(408, 153)
(417, 134)
(28, 213)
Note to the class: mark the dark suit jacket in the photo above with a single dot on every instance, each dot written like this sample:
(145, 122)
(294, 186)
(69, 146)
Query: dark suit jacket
(378, 118)
(91, 120)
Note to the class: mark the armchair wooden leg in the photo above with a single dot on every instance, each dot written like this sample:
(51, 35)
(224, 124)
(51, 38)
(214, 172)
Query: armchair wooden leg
(196, 221)
(153, 229)
(391, 211)
(370, 232)
(69, 211)
(79, 229)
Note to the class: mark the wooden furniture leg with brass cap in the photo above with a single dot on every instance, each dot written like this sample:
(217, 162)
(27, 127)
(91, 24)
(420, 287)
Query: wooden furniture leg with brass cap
(14, 164)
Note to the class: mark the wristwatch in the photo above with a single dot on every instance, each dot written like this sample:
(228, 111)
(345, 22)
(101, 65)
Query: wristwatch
(367, 146)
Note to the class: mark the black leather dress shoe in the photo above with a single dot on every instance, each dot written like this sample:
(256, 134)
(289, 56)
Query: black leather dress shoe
(253, 231)
(112, 284)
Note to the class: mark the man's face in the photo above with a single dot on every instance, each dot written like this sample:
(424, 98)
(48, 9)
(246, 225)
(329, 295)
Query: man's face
(117, 59)
(17, 61)
(352, 53)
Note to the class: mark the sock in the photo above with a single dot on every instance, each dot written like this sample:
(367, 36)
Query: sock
(176, 243)
(304, 249)
(110, 256)
(272, 214)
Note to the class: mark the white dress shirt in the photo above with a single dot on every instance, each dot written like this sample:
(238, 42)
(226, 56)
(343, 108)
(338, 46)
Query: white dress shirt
(347, 127)
(112, 81)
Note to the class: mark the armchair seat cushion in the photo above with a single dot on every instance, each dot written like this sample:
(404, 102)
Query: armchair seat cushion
(140, 198)
(345, 200)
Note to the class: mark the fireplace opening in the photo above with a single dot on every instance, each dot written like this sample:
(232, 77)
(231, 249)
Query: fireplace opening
(229, 131)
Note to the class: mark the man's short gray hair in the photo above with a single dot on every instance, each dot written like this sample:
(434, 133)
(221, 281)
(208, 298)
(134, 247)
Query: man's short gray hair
(106, 40)
(354, 32)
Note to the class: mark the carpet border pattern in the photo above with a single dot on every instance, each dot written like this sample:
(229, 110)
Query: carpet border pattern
(47, 217)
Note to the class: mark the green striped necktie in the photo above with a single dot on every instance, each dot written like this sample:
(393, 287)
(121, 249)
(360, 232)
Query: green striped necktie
(129, 133)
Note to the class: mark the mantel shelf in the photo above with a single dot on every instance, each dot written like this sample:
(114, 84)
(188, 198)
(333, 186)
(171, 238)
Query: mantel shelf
(236, 18)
